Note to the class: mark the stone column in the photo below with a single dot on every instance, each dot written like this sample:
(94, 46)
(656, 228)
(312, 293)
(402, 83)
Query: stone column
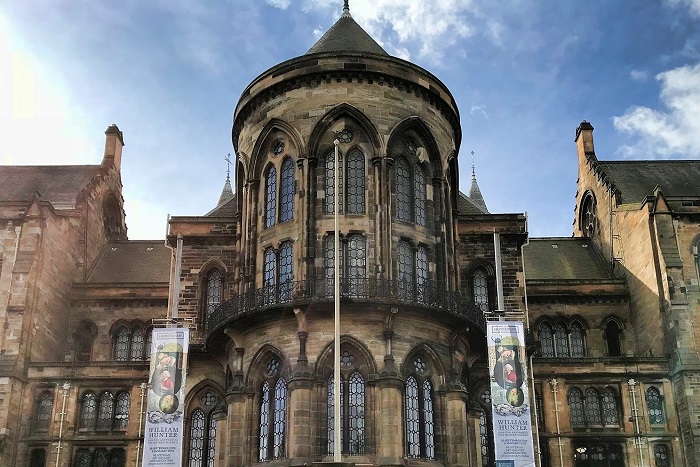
(456, 442)
(300, 441)
(221, 433)
(237, 433)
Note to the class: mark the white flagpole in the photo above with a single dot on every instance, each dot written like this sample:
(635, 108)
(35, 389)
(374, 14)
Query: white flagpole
(336, 348)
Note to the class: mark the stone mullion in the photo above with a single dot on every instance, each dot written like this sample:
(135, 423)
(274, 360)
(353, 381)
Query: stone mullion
(386, 246)
(251, 233)
(380, 216)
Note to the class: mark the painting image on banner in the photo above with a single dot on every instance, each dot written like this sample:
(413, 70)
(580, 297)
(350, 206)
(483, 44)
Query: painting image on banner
(166, 397)
(510, 395)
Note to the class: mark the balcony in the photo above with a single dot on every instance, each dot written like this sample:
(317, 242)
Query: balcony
(433, 297)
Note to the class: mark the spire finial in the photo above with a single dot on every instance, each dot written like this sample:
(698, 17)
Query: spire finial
(228, 166)
(473, 170)
(346, 9)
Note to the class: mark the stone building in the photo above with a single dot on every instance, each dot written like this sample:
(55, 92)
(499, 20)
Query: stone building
(609, 310)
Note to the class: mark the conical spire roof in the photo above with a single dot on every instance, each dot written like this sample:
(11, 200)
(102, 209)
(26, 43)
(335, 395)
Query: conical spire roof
(475, 194)
(226, 193)
(346, 36)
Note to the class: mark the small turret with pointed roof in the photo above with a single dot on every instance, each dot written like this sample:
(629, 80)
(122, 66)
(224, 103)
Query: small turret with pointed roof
(346, 36)
(474, 191)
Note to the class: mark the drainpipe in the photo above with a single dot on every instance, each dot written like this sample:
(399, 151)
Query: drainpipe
(554, 384)
(141, 413)
(66, 387)
(635, 411)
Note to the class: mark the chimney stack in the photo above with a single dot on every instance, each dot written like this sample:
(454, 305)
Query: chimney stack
(584, 140)
(113, 146)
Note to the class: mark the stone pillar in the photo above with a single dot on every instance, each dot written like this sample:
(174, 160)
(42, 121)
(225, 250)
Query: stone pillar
(221, 433)
(390, 415)
(456, 442)
(237, 434)
(300, 441)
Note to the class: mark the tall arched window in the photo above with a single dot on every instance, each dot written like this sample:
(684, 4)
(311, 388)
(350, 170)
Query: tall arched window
(611, 414)
(88, 410)
(404, 197)
(44, 409)
(352, 410)
(655, 406)
(561, 340)
(357, 264)
(576, 411)
(214, 287)
(132, 342)
(287, 191)
(356, 182)
(122, 343)
(271, 197)
(484, 438)
(273, 406)
(121, 412)
(480, 285)
(613, 339)
(588, 221)
(270, 268)
(592, 404)
(419, 195)
(546, 335)
(138, 343)
(286, 272)
(422, 291)
(105, 411)
(202, 429)
(330, 183)
(419, 418)
(576, 339)
(405, 270)
(84, 338)
(595, 410)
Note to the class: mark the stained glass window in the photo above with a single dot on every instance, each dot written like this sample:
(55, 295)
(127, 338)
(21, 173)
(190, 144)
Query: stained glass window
(484, 438)
(576, 411)
(121, 413)
(404, 198)
(428, 422)
(88, 410)
(330, 183)
(196, 452)
(661, 457)
(43, 410)
(356, 183)
(592, 404)
(214, 284)
(271, 197)
(561, 340)
(611, 413)
(420, 195)
(412, 417)
(481, 289)
(655, 406)
(546, 340)
(121, 344)
(576, 339)
(287, 191)
(105, 411)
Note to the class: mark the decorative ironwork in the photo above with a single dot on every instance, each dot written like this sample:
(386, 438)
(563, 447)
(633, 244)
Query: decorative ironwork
(344, 135)
(433, 296)
(287, 191)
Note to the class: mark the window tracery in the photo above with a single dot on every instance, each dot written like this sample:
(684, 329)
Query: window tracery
(132, 342)
(594, 408)
(563, 338)
(419, 411)
(273, 404)
(201, 439)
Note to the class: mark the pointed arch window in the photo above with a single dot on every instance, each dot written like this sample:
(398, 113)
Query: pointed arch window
(122, 342)
(287, 191)
(273, 410)
(592, 404)
(481, 289)
(352, 198)
(88, 410)
(655, 406)
(419, 195)
(84, 338)
(576, 412)
(563, 339)
(419, 417)
(356, 182)
(546, 335)
(594, 408)
(286, 271)
(411, 193)
(611, 413)
(44, 409)
(105, 411)
(201, 440)
(613, 339)
(352, 410)
(588, 220)
(576, 339)
(271, 197)
(214, 288)
(484, 438)
(132, 342)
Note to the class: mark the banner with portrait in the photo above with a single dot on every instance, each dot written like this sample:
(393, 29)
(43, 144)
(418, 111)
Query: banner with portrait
(166, 398)
(510, 395)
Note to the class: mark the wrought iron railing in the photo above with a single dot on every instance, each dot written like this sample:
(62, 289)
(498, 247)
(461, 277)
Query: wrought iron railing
(432, 296)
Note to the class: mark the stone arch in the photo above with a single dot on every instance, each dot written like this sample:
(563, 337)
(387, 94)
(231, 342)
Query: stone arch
(265, 140)
(415, 125)
(112, 216)
(324, 363)
(316, 143)
(258, 364)
(425, 350)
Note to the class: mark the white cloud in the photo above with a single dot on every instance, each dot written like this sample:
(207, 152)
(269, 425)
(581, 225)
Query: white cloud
(283, 4)
(639, 75)
(693, 5)
(478, 109)
(674, 131)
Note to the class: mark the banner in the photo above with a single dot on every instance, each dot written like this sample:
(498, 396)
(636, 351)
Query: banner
(166, 398)
(510, 395)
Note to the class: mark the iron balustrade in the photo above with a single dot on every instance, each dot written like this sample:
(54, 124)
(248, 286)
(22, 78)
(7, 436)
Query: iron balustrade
(430, 295)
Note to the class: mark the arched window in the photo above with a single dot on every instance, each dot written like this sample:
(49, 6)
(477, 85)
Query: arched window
(201, 441)
(138, 343)
(404, 197)
(83, 339)
(88, 410)
(37, 458)
(546, 340)
(122, 341)
(132, 343)
(273, 406)
(576, 412)
(661, 456)
(484, 438)
(357, 264)
(611, 413)
(356, 182)
(271, 197)
(420, 421)
(287, 191)
(592, 403)
(121, 413)
(561, 340)
(352, 409)
(576, 339)
(480, 289)
(214, 287)
(405, 270)
(419, 194)
(278, 269)
(588, 221)
(613, 339)
(44, 409)
(330, 184)
(422, 290)
(105, 411)
(286, 273)
(655, 406)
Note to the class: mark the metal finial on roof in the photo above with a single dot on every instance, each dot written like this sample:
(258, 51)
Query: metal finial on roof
(346, 9)
(474, 191)
(228, 166)
(473, 167)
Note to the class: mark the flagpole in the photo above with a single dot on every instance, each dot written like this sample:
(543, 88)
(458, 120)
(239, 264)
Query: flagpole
(336, 348)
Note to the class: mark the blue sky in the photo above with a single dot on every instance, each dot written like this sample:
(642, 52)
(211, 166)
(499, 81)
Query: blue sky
(524, 74)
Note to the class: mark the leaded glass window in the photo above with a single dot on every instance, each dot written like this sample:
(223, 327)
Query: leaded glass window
(101, 458)
(484, 438)
(330, 184)
(137, 343)
(404, 198)
(273, 410)
(211, 445)
(264, 422)
(357, 264)
(588, 220)
(420, 423)
(214, 284)
(576, 339)
(422, 274)
(38, 458)
(121, 344)
(546, 340)
(88, 410)
(412, 417)
(287, 191)
(481, 289)
(286, 272)
(279, 418)
(576, 411)
(356, 414)
(420, 195)
(592, 404)
(121, 413)
(196, 451)
(331, 415)
(105, 411)
(428, 420)
(405, 270)
(271, 197)
(44, 409)
(655, 406)
(611, 413)
(661, 456)
(83, 458)
(270, 267)
(561, 340)
(356, 183)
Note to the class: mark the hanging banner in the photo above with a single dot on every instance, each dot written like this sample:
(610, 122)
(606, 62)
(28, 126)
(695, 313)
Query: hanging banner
(510, 395)
(166, 398)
